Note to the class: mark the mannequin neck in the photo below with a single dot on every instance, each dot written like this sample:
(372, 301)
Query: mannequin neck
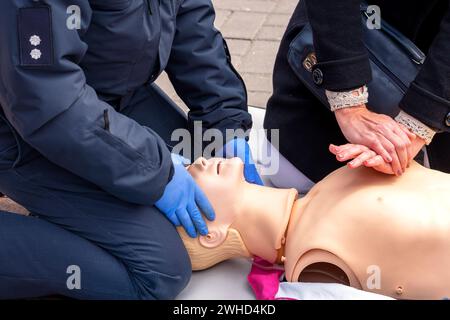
(263, 219)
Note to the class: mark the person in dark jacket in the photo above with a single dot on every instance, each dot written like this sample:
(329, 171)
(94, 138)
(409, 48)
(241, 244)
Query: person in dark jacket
(307, 127)
(84, 136)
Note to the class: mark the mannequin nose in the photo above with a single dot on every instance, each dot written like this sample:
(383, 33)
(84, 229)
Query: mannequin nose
(200, 164)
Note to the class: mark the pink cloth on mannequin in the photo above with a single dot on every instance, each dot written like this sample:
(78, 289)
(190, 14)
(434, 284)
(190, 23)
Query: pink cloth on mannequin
(264, 278)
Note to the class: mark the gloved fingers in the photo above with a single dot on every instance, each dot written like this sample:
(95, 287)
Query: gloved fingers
(203, 203)
(234, 148)
(173, 219)
(179, 160)
(197, 219)
(242, 150)
(248, 155)
(252, 175)
(176, 221)
(186, 222)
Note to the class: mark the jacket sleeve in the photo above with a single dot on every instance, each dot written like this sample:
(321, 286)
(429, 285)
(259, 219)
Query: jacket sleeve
(337, 32)
(47, 101)
(201, 72)
(428, 98)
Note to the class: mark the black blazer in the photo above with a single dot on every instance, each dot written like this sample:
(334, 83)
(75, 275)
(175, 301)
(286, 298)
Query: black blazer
(306, 127)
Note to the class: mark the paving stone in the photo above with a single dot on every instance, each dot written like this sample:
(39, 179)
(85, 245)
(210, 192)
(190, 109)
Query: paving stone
(237, 63)
(261, 57)
(221, 17)
(286, 6)
(243, 25)
(258, 82)
(271, 33)
(164, 83)
(246, 5)
(278, 19)
(258, 99)
(239, 47)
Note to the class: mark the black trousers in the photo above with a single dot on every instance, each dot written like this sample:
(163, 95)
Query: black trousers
(119, 250)
(306, 126)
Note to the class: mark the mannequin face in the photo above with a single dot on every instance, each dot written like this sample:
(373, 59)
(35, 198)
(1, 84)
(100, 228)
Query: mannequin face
(259, 214)
(219, 178)
(222, 180)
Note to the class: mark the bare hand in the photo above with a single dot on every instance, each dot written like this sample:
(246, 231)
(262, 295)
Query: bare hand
(361, 155)
(379, 133)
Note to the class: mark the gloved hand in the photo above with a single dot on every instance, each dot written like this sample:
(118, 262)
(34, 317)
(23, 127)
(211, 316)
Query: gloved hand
(239, 147)
(183, 201)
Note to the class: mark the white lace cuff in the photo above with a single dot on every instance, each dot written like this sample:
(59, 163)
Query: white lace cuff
(347, 99)
(417, 127)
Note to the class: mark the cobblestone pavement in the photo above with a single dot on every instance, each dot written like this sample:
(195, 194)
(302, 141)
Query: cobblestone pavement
(253, 29)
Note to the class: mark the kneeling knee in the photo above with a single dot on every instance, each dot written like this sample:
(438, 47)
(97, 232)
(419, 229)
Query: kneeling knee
(166, 281)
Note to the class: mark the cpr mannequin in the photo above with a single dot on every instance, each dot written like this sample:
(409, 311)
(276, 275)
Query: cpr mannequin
(354, 225)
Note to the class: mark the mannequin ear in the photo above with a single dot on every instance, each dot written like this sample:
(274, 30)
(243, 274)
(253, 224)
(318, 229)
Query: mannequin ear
(214, 238)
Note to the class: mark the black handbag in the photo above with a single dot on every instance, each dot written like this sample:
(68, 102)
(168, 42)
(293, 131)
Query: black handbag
(394, 60)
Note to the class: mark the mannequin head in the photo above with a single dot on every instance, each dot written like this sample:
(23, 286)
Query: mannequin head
(250, 219)
(223, 183)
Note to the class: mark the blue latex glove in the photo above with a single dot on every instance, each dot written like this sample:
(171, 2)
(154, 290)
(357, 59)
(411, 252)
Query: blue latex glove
(183, 201)
(239, 148)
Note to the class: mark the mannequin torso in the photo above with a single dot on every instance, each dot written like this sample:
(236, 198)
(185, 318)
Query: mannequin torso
(371, 225)
(351, 227)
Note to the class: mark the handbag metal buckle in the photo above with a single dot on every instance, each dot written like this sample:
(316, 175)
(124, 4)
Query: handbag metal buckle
(310, 61)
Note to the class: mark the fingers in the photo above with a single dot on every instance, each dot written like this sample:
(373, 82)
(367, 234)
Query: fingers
(203, 203)
(198, 220)
(408, 132)
(376, 146)
(378, 164)
(374, 162)
(252, 175)
(186, 222)
(174, 219)
(401, 148)
(335, 149)
(389, 147)
(400, 143)
(408, 142)
(363, 157)
(350, 152)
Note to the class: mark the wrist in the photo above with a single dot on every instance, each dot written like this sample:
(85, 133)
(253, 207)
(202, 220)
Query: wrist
(347, 99)
(349, 110)
(421, 130)
(346, 112)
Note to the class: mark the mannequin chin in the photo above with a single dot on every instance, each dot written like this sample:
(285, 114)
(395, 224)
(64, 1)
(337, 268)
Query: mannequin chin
(351, 222)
